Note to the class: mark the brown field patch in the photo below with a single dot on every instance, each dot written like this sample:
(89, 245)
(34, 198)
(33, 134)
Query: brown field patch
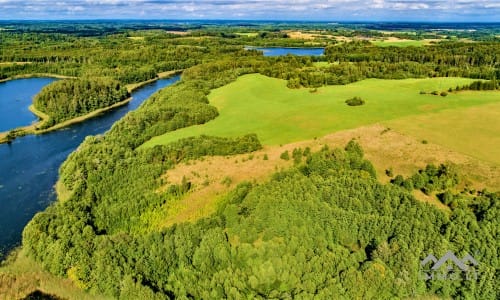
(177, 32)
(213, 177)
(301, 35)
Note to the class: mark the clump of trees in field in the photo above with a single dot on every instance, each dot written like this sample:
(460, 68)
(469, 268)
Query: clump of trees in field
(431, 179)
(355, 101)
(66, 99)
(480, 85)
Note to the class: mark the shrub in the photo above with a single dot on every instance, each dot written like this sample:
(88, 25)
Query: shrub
(356, 101)
(297, 155)
(285, 155)
(444, 94)
(227, 181)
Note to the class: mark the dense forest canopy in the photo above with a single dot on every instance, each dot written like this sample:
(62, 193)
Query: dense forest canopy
(71, 98)
(325, 228)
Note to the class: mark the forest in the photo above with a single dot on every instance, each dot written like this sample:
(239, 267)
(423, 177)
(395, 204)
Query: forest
(325, 228)
(66, 99)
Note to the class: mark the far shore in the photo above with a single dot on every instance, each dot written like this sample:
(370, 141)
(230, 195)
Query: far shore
(33, 75)
(34, 128)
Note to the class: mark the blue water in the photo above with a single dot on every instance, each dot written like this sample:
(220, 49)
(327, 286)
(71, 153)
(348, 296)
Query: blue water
(29, 166)
(293, 51)
(15, 98)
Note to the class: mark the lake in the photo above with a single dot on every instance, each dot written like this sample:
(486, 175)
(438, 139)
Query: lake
(15, 98)
(29, 166)
(277, 51)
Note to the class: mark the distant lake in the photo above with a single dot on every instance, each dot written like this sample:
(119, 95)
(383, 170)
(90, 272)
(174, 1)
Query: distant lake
(15, 98)
(277, 51)
(29, 166)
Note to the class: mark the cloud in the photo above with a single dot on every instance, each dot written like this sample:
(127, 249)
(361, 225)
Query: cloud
(425, 10)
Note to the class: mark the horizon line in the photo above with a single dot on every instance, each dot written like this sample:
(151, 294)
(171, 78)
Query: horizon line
(252, 20)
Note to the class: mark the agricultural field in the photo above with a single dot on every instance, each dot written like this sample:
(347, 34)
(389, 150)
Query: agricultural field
(279, 115)
(472, 130)
(400, 43)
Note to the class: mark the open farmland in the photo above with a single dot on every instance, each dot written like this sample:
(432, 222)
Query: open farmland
(279, 115)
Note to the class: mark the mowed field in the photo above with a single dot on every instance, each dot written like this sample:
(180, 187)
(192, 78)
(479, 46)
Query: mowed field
(279, 115)
(400, 43)
(474, 130)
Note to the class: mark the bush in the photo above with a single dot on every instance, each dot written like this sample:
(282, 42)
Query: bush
(444, 94)
(285, 155)
(356, 101)
(227, 181)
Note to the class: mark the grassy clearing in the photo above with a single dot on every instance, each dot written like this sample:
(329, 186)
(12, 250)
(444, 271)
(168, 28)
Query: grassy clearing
(323, 64)
(474, 131)
(386, 149)
(400, 43)
(247, 34)
(278, 115)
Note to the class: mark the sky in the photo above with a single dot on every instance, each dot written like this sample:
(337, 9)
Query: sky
(311, 10)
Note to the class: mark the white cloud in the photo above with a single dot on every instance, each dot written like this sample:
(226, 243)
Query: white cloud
(254, 9)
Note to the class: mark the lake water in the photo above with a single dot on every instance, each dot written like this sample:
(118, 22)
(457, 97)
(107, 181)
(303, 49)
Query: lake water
(15, 98)
(29, 166)
(276, 51)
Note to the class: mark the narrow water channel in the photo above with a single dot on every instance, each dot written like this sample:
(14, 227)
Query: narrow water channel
(29, 166)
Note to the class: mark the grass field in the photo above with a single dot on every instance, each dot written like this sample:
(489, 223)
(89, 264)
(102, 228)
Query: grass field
(400, 43)
(278, 115)
(474, 131)
(247, 34)
(213, 177)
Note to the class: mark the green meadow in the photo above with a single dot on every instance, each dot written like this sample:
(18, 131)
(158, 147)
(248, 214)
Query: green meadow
(400, 43)
(473, 130)
(278, 115)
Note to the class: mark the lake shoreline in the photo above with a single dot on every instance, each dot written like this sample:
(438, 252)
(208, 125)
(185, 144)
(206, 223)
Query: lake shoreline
(37, 75)
(10, 135)
(40, 185)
